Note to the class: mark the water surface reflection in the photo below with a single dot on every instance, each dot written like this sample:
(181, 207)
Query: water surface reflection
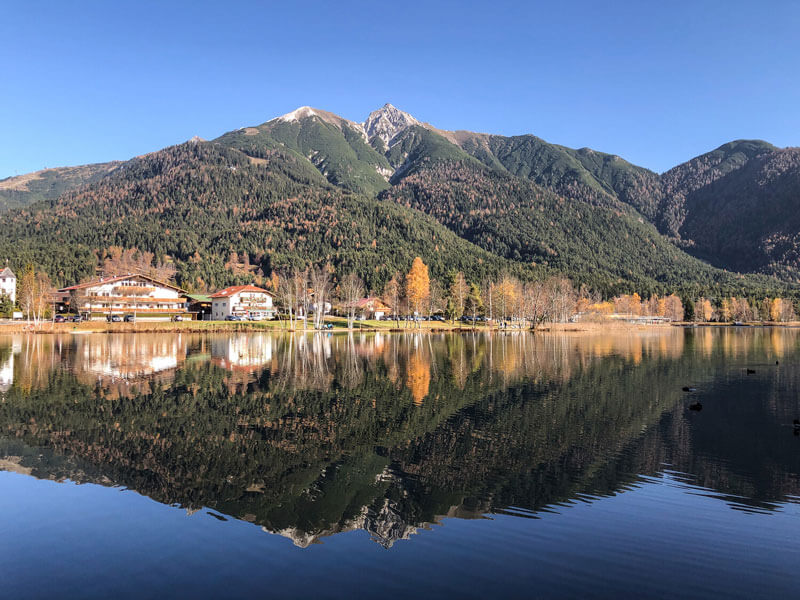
(310, 435)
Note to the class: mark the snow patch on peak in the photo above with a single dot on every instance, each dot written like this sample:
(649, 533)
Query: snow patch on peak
(305, 112)
(297, 114)
(387, 122)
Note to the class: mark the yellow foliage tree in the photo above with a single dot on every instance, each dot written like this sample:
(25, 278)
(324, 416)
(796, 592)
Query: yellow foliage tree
(636, 304)
(775, 309)
(725, 310)
(704, 311)
(418, 285)
(418, 377)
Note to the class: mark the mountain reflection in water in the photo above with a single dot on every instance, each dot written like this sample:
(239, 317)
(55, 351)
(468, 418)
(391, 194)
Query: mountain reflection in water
(311, 435)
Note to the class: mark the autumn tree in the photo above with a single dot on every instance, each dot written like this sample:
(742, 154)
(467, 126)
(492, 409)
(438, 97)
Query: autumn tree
(506, 296)
(673, 308)
(116, 260)
(725, 310)
(703, 310)
(35, 294)
(418, 288)
(781, 310)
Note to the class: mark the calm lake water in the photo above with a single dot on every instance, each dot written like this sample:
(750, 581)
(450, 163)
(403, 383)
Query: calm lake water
(404, 465)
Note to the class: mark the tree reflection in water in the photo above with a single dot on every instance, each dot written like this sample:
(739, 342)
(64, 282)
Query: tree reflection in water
(310, 435)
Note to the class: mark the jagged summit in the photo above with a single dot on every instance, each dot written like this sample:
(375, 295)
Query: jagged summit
(387, 122)
(384, 123)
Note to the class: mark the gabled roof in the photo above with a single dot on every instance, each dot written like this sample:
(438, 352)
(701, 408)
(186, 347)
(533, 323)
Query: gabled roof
(235, 289)
(372, 303)
(375, 304)
(103, 280)
(7, 273)
(199, 297)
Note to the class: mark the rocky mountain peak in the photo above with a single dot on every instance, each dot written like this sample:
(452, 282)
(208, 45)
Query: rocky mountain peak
(387, 122)
(304, 112)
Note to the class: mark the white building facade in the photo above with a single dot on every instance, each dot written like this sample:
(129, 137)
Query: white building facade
(246, 301)
(8, 284)
(130, 294)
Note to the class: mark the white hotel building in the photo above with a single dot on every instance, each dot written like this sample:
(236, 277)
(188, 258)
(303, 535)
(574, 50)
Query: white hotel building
(128, 294)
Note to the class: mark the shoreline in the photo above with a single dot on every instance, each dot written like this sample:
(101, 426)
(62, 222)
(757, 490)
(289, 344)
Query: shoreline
(98, 327)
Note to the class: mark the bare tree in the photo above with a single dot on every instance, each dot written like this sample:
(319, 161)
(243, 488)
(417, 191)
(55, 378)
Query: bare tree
(321, 285)
(436, 297)
(537, 303)
(284, 289)
(351, 289)
(458, 293)
(392, 295)
(36, 293)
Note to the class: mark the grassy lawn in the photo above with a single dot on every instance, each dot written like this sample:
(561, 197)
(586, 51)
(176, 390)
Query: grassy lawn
(339, 324)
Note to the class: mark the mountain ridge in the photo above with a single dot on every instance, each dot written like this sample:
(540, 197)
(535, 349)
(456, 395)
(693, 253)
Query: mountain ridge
(570, 208)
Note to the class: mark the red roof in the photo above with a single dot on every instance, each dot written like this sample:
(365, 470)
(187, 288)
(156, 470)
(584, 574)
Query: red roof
(230, 291)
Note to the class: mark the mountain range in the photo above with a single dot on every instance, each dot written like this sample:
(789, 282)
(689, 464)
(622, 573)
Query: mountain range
(311, 185)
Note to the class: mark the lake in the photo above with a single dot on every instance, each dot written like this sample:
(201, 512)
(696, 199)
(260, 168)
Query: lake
(467, 465)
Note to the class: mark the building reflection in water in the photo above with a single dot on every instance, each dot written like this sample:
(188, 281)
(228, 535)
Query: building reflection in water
(309, 435)
(242, 351)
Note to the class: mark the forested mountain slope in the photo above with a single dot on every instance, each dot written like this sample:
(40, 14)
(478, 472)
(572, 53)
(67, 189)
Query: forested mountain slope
(610, 249)
(209, 208)
(48, 184)
(313, 186)
(739, 206)
(735, 207)
(338, 148)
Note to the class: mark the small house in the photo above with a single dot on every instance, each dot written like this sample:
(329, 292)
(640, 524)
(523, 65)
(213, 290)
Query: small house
(247, 301)
(371, 308)
(8, 284)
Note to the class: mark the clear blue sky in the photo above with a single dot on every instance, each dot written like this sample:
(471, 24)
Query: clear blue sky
(655, 82)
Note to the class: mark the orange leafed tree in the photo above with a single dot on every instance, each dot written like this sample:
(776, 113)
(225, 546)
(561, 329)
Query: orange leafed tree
(418, 377)
(418, 285)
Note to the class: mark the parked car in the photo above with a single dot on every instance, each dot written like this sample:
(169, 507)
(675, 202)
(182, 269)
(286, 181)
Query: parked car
(439, 318)
(177, 318)
(129, 318)
(59, 319)
(75, 319)
(234, 318)
(113, 318)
